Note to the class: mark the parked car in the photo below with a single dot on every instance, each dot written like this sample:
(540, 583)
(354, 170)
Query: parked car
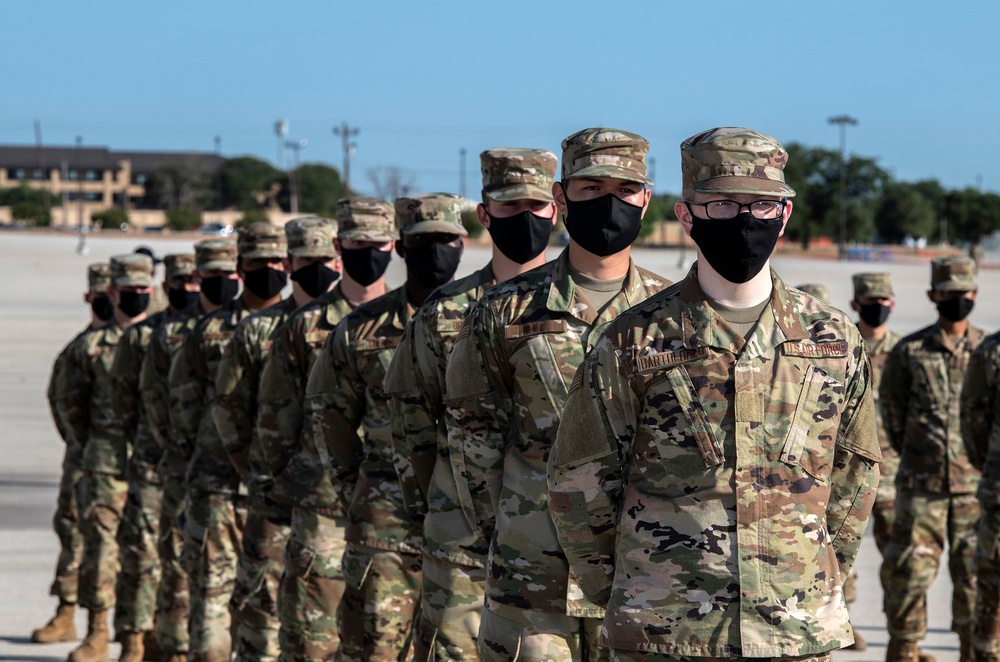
(216, 229)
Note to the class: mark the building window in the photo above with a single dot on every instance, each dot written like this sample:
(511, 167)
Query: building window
(140, 179)
(90, 175)
(37, 174)
(17, 174)
(93, 197)
(73, 174)
(72, 196)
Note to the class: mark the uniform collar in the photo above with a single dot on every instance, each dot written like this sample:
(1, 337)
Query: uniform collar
(565, 297)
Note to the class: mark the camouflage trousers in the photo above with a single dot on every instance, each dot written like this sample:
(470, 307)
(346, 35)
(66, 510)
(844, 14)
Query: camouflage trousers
(883, 518)
(540, 637)
(102, 512)
(382, 593)
(66, 523)
(258, 574)
(924, 523)
(213, 538)
(618, 655)
(986, 626)
(451, 604)
(139, 578)
(311, 587)
(173, 597)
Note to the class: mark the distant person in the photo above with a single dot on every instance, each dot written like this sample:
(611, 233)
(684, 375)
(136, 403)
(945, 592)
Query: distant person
(936, 504)
(816, 290)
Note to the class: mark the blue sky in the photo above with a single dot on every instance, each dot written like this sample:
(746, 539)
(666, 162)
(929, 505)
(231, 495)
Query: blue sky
(423, 80)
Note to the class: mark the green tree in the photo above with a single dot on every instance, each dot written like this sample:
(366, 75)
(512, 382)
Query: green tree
(904, 210)
(319, 189)
(183, 219)
(184, 183)
(31, 212)
(112, 217)
(250, 183)
(471, 223)
(25, 193)
(661, 209)
(970, 214)
(252, 216)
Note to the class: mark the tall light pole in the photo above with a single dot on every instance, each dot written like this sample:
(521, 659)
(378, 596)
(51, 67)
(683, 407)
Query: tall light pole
(346, 133)
(293, 177)
(461, 172)
(81, 247)
(280, 131)
(843, 121)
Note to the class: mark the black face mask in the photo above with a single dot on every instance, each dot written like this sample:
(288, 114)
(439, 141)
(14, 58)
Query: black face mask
(522, 237)
(736, 248)
(315, 278)
(432, 265)
(603, 226)
(181, 299)
(957, 309)
(365, 265)
(133, 304)
(265, 282)
(219, 289)
(102, 308)
(873, 314)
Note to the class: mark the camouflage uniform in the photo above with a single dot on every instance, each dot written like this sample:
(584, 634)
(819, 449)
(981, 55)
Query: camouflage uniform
(215, 509)
(981, 433)
(381, 564)
(254, 602)
(920, 396)
(454, 551)
(506, 385)
(720, 506)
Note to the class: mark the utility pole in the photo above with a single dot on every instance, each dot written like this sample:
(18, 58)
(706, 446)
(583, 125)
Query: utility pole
(293, 177)
(652, 170)
(218, 145)
(280, 131)
(843, 121)
(346, 133)
(81, 247)
(461, 172)
(218, 176)
(41, 167)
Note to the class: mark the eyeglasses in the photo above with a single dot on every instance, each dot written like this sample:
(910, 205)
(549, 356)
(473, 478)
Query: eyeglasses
(723, 210)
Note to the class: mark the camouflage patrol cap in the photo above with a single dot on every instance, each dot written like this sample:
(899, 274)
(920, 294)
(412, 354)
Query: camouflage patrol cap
(734, 160)
(311, 236)
(215, 254)
(261, 240)
(815, 289)
(430, 212)
(366, 219)
(132, 270)
(953, 274)
(518, 173)
(98, 277)
(601, 152)
(875, 285)
(178, 264)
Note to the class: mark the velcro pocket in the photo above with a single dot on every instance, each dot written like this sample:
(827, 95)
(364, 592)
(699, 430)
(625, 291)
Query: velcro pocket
(356, 566)
(697, 419)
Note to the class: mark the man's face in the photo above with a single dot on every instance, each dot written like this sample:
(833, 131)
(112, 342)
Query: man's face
(115, 291)
(939, 296)
(351, 244)
(867, 301)
(587, 188)
(696, 203)
(186, 283)
(426, 238)
(255, 263)
(491, 210)
(202, 274)
(299, 262)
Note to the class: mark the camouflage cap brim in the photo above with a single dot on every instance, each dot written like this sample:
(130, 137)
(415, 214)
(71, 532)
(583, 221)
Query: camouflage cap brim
(744, 186)
(426, 227)
(951, 286)
(133, 281)
(875, 293)
(362, 234)
(101, 288)
(264, 253)
(218, 265)
(520, 192)
(612, 172)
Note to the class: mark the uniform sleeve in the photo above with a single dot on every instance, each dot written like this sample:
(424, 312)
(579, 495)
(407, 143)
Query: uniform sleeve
(894, 392)
(980, 399)
(73, 384)
(50, 393)
(479, 402)
(335, 401)
(236, 400)
(187, 383)
(153, 388)
(855, 473)
(125, 384)
(280, 416)
(585, 468)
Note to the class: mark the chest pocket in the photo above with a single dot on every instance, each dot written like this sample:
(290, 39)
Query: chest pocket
(812, 432)
(542, 389)
(930, 382)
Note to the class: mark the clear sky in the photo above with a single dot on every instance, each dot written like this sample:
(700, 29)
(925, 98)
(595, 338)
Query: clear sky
(423, 80)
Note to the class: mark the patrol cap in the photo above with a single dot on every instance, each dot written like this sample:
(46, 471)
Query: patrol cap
(98, 277)
(215, 254)
(146, 250)
(430, 212)
(261, 240)
(815, 289)
(734, 160)
(311, 236)
(601, 152)
(366, 219)
(953, 274)
(875, 285)
(518, 173)
(178, 264)
(132, 270)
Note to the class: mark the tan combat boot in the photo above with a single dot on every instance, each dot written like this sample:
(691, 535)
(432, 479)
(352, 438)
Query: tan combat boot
(95, 645)
(153, 652)
(132, 647)
(59, 628)
(905, 651)
(176, 657)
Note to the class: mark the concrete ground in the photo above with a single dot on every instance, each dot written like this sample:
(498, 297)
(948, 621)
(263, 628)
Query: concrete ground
(41, 284)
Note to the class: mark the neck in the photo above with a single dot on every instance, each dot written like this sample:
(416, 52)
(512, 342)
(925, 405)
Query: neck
(734, 295)
(955, 329)
(124, 321)
(96, 322)
(875, 333)
(416, 293)
(504, 268)
(206, 305)
(299, 295)
(255, 303)
(598, 267)
(357, 293)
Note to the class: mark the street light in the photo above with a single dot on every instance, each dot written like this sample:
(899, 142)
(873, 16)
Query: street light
(347, 132)
(296, 146)
(843, 121)
(81, 247)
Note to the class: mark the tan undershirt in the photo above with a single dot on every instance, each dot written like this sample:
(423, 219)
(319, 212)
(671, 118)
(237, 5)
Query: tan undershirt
(598, 292)
(743, 320)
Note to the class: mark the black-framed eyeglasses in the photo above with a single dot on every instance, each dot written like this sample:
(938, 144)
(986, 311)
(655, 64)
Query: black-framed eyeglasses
(723, 210)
